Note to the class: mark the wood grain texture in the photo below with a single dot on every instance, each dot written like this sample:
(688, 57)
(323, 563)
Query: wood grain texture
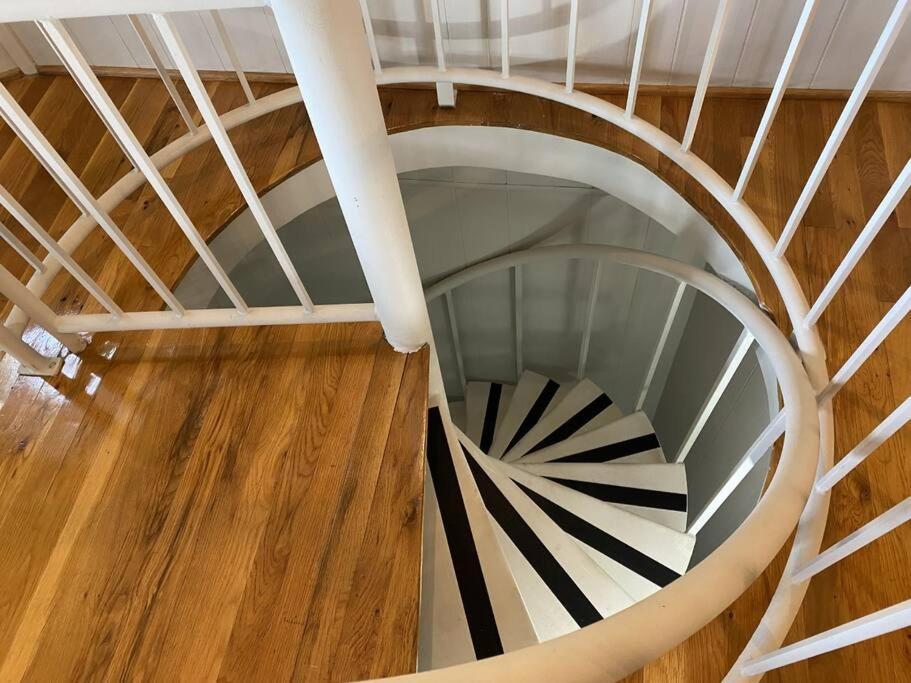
(277, 145)
(186, 505)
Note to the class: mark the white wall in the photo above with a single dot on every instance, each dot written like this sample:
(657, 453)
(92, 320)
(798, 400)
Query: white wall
(842, 35)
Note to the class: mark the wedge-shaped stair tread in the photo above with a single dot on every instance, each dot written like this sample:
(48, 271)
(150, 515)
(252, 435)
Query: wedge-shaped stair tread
(466, 570)
(654, 491)
(534, 395)
(641, 555)
(584, 408)
(583, 590)
(629, 439)
(486, 404)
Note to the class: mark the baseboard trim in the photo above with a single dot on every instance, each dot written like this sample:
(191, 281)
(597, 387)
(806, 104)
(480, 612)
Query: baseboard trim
(600, 89)
(10, 74)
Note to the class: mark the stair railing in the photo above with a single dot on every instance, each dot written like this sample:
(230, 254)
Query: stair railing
(327, 46)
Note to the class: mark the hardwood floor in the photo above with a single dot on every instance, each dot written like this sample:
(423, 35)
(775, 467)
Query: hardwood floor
(193, 505)
(271, 148)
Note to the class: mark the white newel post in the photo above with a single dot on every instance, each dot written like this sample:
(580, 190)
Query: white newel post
(331, 60)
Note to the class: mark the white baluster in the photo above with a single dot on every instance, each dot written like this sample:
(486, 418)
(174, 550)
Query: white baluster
(77, 191)
(705, 75)
(864, 83)
(781, 83)
(82, 72)
(228, 44)
(876, 624)
(636, 70)
(136, 22)
(220, 136)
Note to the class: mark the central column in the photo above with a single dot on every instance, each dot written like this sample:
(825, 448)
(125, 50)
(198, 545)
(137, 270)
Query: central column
(328, 50)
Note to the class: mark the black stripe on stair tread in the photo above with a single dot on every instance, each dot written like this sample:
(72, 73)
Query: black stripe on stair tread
(576, 422)
(626, 495)
(603, 542)
(538, 408)
(490, 415)
(560, 583)
(613, 451)
(482, 624)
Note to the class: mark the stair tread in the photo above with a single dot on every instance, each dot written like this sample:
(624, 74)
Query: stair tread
(534, 395)
(655, 491)
(486, 404)
(640, 554)
(627, 439)
(585, 407)
(466, 558)
(584, 590)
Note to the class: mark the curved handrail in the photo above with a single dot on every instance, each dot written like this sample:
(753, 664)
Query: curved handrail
(615, 647)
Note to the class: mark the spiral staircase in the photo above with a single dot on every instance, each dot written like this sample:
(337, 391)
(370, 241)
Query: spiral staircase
(551, 518)
(548, 510)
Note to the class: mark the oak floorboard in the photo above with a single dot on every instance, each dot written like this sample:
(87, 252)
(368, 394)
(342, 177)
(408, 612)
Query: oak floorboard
(142, 517)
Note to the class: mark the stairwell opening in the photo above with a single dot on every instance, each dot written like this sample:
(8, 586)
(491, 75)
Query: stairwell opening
(463, 213)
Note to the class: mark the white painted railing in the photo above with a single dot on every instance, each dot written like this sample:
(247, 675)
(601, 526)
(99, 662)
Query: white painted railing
(327, 47)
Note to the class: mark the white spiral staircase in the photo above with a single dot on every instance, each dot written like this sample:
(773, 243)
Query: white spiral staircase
(547, 510)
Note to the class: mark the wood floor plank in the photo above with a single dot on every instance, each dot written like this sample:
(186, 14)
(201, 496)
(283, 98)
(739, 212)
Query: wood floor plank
(185, 465)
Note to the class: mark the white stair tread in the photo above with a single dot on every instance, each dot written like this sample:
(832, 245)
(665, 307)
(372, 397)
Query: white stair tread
(444, 638)
(572, 572)
(654, 491)
(584, 408)
(534, 395)
(641, 555)
(486, 404)
(476, 547)
(548, 615)
(628, 439)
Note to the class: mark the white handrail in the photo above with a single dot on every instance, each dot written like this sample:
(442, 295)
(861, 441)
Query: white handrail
(71, 9)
